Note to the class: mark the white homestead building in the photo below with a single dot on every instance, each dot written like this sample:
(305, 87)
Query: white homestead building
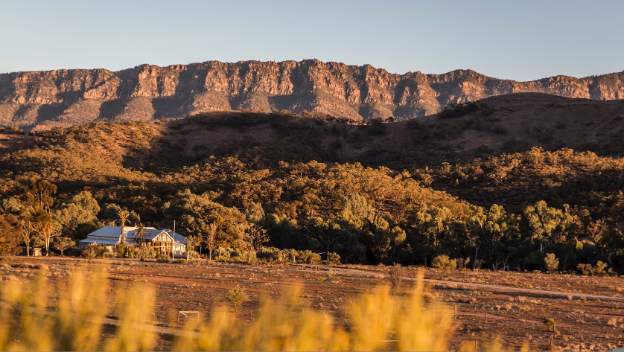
(166, 241)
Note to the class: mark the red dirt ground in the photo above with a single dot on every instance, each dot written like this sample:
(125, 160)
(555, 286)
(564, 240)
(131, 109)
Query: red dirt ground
(588, 311)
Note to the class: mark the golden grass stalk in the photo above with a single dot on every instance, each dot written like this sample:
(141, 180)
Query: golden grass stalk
(32, 319)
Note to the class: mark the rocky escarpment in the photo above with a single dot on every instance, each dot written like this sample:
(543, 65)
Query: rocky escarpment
(311, 87)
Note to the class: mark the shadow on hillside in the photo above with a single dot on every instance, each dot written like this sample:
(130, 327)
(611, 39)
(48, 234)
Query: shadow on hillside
(263, 139)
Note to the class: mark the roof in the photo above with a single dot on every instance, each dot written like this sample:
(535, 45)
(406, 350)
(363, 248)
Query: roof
(109, 235)
(176, 236)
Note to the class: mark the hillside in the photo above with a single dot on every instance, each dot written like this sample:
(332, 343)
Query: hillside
(306, 88)
(492, 126)
(487, 178)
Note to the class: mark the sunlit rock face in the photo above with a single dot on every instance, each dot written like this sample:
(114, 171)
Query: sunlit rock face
(307, 88)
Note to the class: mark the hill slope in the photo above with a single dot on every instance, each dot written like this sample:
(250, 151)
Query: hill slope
(443, 185)
(310, 87)
(490, 127)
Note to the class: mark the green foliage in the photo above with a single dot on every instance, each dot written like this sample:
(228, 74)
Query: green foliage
(333, 258)
(9, 242)
(235, 255)
(551, 263)
(285, 256)
(236, 297)
(78, 216)
(501, 212)
(63, 243)
(93, 251)
(215, 224)
(600, 268)
(443, 262)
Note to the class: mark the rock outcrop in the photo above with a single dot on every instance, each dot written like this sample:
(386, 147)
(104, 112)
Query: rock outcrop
(311, 87)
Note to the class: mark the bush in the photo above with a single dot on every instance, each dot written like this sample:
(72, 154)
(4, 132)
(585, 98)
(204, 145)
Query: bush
(600, 268)
(333, 258)
(307, 257)
(236, 297)
(122, 250)
(551, 263)
(271, 255)
(231, 255)
(61, 244)
(162, 258)
(284, 256)
(146, 252)
(93, 251)
(443, 262)
(585, 269)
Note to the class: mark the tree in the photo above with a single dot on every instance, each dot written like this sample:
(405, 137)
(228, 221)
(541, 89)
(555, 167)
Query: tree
(22, 215)
(551, 263)
(140, 234)
(63, 243)
(214, 223)
(40, 198)
(258, 236)
(46, 227)
(78, 216)
(191, 243)
(122, 215)
(545, 223)
(211, 237)
(498, 227)
(9, 242)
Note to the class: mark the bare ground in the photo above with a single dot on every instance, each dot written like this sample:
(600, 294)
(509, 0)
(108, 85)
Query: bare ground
(588, 311)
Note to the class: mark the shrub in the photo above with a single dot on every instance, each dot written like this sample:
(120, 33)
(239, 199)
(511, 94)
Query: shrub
(307, 257)
(236, 297)
(93, 251)
(61, 244)
(284, 256)
(232, 255)
(600, 268)
(146, 252)
(551, 263)
(443, 262)
(271, 255)
(122, 250)
(162, 257)
(551, 325)
(333, 258)
(585, 268)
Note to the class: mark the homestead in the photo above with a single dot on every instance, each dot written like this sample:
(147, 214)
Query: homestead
(164, 241)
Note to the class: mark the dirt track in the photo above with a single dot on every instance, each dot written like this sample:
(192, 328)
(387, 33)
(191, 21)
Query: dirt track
(589, 311)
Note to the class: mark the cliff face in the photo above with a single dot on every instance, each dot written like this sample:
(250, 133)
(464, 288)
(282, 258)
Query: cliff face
(357, 93)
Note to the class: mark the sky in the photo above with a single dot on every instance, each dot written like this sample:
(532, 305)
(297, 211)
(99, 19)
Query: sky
(511, 39)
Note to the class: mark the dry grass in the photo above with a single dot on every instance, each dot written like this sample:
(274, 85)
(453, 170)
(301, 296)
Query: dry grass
(75, 315)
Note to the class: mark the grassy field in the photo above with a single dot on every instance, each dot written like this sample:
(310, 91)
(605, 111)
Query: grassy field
(587, 312)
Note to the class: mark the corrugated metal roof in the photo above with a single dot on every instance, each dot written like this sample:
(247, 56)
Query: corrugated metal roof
(176, 236)
(111, 235)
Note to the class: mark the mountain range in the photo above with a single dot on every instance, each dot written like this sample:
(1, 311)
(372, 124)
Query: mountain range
(45, 99)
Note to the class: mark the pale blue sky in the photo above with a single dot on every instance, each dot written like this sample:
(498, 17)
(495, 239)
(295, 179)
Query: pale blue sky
(502, 38)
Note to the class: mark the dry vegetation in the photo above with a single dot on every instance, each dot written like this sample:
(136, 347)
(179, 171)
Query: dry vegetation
(475, 315)
(454, 193)
(75, 318)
